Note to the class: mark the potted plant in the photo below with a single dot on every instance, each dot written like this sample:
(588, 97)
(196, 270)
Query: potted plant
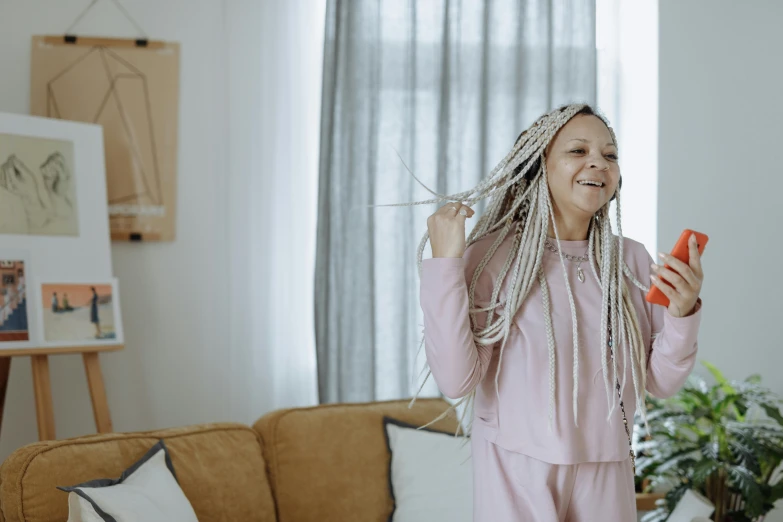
(724, 440)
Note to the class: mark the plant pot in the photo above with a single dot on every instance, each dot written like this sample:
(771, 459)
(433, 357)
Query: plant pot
(734, 502)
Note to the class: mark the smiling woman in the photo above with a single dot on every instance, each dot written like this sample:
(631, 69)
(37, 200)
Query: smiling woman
(584, 174)
(492, 303)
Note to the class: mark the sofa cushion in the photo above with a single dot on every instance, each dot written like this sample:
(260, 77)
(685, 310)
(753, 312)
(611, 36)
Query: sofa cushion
(431, 474)
(330, 463)
(148, 490)
(220, 468)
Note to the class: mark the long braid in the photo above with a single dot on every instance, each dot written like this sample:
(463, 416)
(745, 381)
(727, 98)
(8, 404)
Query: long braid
(520, 205)
(550, 339)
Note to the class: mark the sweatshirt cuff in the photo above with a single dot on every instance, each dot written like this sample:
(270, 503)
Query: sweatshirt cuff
(441, 264)
(681, 332)
(684, 324)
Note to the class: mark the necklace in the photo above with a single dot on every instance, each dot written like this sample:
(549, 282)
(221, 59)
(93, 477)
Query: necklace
(622, 407)
(578, 259)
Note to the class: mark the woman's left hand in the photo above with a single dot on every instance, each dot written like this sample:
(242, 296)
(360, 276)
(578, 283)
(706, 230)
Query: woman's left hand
(686, 278)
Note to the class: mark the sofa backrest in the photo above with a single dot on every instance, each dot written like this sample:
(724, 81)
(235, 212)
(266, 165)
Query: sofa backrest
(220, 468)
(330, 463)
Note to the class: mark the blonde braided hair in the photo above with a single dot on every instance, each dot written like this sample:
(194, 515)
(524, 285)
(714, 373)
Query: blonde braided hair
(520, 204)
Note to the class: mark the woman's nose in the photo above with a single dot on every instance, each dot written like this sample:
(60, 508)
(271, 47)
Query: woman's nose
(599, 163)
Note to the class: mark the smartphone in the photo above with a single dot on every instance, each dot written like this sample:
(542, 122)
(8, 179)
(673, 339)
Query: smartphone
(681, 252)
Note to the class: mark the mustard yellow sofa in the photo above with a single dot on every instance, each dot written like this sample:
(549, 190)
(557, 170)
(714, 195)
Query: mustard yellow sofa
(327, 463)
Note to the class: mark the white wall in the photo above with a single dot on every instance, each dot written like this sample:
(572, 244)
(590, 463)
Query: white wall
(176, 297)
(720, 137)
(720, 170)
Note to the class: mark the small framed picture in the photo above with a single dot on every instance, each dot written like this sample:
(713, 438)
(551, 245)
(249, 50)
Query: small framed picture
(80, 313)
(14, 302)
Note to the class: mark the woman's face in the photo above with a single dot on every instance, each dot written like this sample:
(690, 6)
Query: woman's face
(581, 162)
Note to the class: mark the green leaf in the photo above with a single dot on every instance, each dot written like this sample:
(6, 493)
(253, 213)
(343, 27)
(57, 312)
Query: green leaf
(754, 379)
(702, 470)
(719, 378)
(744, 455)
(745, 482)
(727, 402)
(776, 492)
(772, 412)
(716, 373)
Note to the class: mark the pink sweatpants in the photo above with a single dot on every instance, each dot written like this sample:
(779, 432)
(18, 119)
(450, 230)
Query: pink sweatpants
(511, 487)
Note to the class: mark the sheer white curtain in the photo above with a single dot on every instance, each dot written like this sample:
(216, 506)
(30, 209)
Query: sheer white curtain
(274, 62)
(449, 85)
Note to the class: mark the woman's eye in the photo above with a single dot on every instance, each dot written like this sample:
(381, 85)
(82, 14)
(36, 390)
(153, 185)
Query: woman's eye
(612, 157)
(578, 151)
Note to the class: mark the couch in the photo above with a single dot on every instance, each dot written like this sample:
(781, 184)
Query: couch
(327, 463)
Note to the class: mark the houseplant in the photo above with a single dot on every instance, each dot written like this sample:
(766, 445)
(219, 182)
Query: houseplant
(724, 440)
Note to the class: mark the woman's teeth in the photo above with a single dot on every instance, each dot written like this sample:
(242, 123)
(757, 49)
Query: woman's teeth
(591, 183)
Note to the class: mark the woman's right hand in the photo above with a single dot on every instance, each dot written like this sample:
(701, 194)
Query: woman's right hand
(447, 230)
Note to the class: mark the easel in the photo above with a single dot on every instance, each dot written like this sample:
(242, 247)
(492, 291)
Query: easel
(39, 359)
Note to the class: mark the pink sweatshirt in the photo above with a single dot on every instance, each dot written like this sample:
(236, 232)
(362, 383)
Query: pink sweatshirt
(518, 421)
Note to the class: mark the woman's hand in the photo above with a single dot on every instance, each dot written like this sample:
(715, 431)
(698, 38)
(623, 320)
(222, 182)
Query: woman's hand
(686, 278)
(447, 229)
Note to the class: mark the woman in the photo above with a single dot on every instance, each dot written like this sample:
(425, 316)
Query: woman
(541, 324)
(94, 319)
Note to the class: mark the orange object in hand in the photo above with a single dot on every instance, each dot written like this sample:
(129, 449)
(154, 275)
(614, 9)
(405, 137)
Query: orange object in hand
(681, 252)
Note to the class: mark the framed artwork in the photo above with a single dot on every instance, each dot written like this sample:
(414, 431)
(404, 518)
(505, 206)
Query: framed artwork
(14, 303)
(37, 186)
(132, 92)
(80, 313)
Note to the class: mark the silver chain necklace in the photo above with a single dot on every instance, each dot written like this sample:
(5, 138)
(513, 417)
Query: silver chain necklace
(578, 259)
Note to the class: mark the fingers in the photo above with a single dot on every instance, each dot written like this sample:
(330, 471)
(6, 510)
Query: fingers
(667, 290)
(681, 268)
(457, 209)
(695, 257)
(680, 284)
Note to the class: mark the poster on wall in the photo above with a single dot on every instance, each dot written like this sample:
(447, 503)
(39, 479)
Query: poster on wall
(37, 186)
(133, 93)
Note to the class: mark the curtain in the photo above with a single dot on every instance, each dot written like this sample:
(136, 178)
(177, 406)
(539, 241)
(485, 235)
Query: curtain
(444, 88)
(274, 57)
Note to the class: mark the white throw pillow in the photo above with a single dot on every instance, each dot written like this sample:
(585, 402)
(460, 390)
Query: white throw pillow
(147, 491)
(431, 474)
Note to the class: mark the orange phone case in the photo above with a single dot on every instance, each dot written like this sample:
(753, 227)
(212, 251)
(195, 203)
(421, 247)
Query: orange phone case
(681, 252)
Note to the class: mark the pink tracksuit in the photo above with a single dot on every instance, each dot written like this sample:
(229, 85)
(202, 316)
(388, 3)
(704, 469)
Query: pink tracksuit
(522, 471)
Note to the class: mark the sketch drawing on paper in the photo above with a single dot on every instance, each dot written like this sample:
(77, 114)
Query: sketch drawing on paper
(37, 186)
(122, 106)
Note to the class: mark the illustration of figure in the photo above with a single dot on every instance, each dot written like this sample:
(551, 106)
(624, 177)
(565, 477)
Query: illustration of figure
(3, 306)
(41, 201)
(55, 303)
(94, 313)
(19, 180)
(20, 285)
(57, 180)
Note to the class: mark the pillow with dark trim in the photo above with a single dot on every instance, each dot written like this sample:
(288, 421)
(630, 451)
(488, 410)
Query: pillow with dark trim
(430, 474)
(148, 490)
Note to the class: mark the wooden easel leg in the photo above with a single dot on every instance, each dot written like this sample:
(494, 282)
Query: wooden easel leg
(43, 397)
(5, 370)
(100, 406)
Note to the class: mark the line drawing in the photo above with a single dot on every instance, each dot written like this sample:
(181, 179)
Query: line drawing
(124, 79)
(40, 201)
